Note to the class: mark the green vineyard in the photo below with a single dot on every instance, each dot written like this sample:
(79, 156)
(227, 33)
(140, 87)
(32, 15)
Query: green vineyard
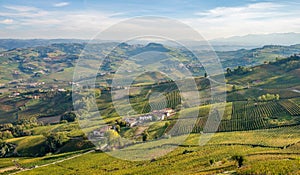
(291, 107)
(245, 115)
(172, 100)
(252, 111)
(296, 101)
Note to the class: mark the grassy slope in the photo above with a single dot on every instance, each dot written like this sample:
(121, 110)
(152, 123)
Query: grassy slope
(197, 161)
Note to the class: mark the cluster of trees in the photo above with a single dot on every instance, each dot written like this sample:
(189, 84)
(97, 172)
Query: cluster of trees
(268, 97)
(6, 134)
(289, 63)
(240, 70)
(55, 140)
(112, 140)
(6, 149)
(18, 129)
(121, 123)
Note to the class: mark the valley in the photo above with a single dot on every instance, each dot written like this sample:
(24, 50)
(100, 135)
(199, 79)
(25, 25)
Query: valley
(258, 131)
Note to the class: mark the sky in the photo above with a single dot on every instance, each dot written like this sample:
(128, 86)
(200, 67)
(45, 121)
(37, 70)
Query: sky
(83, 19)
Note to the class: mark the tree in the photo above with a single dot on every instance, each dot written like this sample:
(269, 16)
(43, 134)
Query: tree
(268, 97)
(113, 137)
(121, 123)
(211, 161)
(6, 134)
(6, 149)
(167, 124)
(97, 93)
(118, 128)
(70, 117)
(234, 88)
(6, 126)
(55, 140)
(277, 97)
(228, 71)
(145, 136)
(205, 74)
(239, 159)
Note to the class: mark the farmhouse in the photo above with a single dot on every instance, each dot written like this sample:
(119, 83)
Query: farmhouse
(61, 90)
(145, 118)
(161, 114)
(16, 94)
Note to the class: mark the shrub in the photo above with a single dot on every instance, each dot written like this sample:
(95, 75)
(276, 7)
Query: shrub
(145, 136)
(211, 161)
(70, 117)
(239, 159)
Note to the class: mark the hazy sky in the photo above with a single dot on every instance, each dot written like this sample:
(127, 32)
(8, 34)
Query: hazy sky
(85, 18)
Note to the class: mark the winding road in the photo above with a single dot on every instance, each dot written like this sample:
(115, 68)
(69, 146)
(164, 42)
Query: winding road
(52, 163)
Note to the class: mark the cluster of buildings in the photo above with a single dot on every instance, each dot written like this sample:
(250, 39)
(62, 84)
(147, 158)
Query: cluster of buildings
(156, 115)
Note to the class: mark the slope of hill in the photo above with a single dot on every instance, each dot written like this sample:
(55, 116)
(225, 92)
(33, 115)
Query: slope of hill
(264, 132)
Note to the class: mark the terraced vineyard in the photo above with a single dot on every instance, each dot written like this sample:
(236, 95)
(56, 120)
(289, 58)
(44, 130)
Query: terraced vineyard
(172, 100)
(251, 110)
(243, 125)
(246, 115)
(291, 107)
(296, 101)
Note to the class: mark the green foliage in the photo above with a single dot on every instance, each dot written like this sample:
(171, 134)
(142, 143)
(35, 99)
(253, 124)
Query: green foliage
(6, 134)
(70, 117)
(19, 129)
(6, 149)
(240, 70)
(234, 88)
(145, 136)
(260, 160)
(118, 128)
(113, 138)
(268, 97)
(121, 123)
(55, 140)
(288, 64)
(167, 124)
(239, 159)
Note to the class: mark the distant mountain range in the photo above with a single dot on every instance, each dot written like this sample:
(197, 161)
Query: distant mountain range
(222, 44)
(8, 44)
(260, 39)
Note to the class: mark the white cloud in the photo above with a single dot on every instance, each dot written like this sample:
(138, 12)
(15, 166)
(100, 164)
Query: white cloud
(20, 8)
(57, 24)
(251, 11)
(256, 18)
(61, 4)
(6, 21)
